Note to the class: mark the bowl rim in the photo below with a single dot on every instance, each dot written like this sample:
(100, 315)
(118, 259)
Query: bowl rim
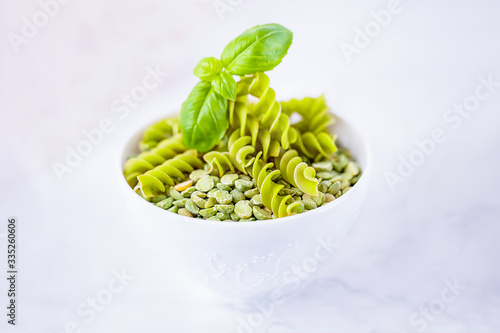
(338, 201)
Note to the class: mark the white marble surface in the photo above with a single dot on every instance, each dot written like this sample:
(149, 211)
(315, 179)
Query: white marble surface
(440, 225)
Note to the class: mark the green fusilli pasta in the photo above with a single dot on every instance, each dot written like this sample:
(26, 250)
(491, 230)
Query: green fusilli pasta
(314, 112)
(168, 173)
(265, 114)
(218, 161)
(158, 132)
(270, 147)
(269, 189)
(313, 138)
(147, 160)
(297, 172)
(238, 109)
(240, 151)
(316, 146)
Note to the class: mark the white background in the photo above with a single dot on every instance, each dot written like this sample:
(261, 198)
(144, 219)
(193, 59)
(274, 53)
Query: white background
(439, 224)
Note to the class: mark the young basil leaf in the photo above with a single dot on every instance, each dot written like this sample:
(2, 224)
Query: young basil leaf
(207, 68)
(258, 49)
(203, 118)
(225, 85)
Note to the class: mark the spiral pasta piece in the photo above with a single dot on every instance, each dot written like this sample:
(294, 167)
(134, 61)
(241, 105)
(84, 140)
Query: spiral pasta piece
(168, 173)
(270, 147)
(316, 146)
(262, 121)
(314, 111)
(159, 131)
(298, 173)
(269, 189)
(270, 110)
(238, 109)
(219, 161)
(147, 160)
(252, 125)
(266, 113)
(240, 150)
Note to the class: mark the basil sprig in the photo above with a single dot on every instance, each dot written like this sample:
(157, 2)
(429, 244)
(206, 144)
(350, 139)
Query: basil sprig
(204, 115)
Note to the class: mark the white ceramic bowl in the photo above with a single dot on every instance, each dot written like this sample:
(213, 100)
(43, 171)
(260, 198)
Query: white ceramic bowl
(247, 260)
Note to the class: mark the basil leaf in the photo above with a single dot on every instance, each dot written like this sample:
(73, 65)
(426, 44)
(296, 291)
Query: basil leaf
(225, 85)
(203, 118)
(258, 49)
(207, 68)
